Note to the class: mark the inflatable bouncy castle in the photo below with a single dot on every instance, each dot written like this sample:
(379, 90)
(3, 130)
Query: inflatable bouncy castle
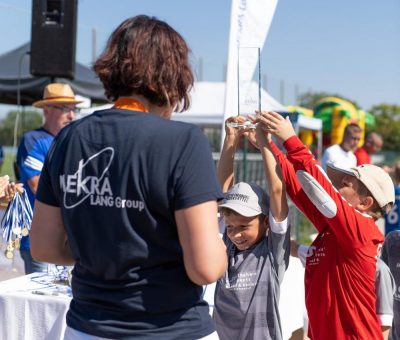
(335, 114)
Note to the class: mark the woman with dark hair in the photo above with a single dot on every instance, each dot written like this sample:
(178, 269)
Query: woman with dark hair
(129, 197)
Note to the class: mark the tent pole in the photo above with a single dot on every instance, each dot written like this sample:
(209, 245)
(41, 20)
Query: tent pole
(18, 101)
(319, 144)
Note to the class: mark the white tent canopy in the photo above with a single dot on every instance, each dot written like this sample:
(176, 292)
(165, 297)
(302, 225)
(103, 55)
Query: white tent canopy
(207, 107)
(208, 100)
(309, 123)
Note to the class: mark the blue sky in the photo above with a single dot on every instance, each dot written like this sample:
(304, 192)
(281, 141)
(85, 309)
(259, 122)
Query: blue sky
(349, 47)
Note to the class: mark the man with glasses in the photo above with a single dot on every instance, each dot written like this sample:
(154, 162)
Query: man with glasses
(58, 106)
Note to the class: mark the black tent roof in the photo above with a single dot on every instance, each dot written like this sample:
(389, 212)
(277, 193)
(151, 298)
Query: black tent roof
(14, 69)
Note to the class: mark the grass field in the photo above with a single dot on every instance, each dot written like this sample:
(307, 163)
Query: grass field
(7, 168)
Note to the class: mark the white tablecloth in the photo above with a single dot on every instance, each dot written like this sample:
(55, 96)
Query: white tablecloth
(26, 315)
(292, 307)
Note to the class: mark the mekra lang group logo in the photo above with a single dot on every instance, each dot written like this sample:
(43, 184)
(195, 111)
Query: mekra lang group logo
(91, 182)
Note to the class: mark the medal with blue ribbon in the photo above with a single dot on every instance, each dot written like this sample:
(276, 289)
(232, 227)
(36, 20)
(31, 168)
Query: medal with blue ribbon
(16, 222)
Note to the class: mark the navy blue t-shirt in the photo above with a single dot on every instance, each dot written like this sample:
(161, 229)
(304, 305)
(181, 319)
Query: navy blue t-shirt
(118, 177)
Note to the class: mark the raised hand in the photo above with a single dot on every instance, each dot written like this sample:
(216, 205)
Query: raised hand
(275, 124)
(233, 132)
(259, 136)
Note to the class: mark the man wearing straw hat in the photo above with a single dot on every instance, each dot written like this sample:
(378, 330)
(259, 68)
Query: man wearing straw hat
(58, 106)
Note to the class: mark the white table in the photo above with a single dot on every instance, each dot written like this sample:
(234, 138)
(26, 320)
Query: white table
(292, 308)
(26, 315)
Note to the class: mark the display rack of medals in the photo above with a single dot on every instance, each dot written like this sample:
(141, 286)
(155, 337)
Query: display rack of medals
(16, 222)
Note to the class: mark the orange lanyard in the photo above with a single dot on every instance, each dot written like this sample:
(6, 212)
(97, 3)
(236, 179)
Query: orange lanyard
(130, 104)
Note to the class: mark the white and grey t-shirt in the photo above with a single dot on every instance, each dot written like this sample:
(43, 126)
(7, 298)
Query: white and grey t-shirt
(247, 296)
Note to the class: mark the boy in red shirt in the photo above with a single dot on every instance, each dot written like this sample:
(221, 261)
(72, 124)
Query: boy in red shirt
(373, 144)
(341, 262)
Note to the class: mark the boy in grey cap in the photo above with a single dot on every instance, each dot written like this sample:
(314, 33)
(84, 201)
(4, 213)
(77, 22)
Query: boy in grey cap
(258, 246)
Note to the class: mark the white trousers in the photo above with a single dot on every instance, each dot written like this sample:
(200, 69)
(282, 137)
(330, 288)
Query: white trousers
(73, 334)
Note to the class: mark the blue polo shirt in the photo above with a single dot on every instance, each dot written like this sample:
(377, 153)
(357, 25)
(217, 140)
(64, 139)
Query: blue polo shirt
(31, 155)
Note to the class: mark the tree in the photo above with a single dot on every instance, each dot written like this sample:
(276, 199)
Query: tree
(309, 99)
(28, 120)
(387, 124)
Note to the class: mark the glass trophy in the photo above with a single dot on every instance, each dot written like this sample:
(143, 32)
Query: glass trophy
(249, 84)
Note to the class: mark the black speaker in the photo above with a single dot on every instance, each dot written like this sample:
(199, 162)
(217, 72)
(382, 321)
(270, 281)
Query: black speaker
(53, 38)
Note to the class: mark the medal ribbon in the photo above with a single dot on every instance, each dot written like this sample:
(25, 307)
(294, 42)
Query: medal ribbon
(17, 220)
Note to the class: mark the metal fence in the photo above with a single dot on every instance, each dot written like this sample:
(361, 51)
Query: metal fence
(252, 171)
(247, 168)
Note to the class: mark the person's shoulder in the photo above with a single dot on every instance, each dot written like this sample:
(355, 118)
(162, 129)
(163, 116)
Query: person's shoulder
(393, 237)
(35, 133)
(32, 137)
(381, 265)
(65, 132)
(328, 153)
(261, 246)
(177, 128)
(332, 148)
(383, 273)
(176, 124)
(359, 151)
(76, 125)
(151, 120)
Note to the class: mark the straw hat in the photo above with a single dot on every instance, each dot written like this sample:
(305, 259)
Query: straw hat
(57, 93)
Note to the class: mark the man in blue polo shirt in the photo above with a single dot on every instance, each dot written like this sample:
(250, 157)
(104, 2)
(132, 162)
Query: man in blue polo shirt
(58, 106)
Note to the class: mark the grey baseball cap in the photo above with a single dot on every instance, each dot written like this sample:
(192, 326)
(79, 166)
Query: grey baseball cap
(246, 199)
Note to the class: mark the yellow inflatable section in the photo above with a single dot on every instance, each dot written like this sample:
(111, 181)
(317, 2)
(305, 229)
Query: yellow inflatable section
(336, 114)
(306, 136)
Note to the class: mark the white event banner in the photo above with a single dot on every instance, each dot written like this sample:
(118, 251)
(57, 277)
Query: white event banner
(249, 26)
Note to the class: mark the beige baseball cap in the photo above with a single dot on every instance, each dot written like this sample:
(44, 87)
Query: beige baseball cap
(246, 199)
(377, 181)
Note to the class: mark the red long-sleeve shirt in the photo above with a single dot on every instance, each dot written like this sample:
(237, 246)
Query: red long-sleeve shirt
(340, 269)
(362, 156)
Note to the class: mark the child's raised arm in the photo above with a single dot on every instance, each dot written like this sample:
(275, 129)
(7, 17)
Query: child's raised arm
(274, 123)
(276, 189)
(225, 165)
